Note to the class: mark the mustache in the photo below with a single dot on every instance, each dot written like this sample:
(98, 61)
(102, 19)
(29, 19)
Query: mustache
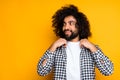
(67, 30)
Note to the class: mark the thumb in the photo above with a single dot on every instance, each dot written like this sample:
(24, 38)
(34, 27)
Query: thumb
(81, 45)
(64, 45)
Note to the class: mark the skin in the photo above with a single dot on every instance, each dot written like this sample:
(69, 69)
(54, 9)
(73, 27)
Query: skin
(69, 24)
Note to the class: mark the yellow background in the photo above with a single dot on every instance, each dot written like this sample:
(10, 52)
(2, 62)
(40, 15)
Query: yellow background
(26, 32)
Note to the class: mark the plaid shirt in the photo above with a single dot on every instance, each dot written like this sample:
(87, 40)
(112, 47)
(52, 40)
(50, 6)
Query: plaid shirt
(88, 61)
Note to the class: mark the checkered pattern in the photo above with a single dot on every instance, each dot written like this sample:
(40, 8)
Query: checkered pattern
(57, 61)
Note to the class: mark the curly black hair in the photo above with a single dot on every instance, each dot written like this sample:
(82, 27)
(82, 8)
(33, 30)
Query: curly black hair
(71, 10)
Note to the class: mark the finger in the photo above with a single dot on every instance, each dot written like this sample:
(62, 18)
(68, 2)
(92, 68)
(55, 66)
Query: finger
(64, 45)
(81, 43)
(64, 42)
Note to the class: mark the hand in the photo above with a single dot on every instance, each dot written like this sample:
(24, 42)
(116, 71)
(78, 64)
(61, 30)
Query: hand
(58, 43)
(87, 44)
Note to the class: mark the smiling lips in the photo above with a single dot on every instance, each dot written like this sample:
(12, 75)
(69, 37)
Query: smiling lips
(67, 32)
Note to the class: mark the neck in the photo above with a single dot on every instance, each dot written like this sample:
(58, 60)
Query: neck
(75, 39)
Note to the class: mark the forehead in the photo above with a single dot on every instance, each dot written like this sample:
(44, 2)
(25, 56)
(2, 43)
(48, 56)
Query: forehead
(69, 18)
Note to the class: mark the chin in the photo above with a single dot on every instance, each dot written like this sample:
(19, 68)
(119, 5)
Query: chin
(68, 38)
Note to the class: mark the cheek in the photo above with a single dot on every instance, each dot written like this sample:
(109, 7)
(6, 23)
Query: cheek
(73, 28)
(63, 28)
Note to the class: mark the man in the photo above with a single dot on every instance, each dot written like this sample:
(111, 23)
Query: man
(73, 56)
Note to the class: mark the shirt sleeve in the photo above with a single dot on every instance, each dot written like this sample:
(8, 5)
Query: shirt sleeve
(103, 63)
(44, 70)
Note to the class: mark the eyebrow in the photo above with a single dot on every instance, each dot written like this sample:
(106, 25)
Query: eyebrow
(69, 21)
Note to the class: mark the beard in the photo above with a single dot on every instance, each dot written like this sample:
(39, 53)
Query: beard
(72, 36)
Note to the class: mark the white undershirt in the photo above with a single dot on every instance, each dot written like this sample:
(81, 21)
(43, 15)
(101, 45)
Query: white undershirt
(73, 60)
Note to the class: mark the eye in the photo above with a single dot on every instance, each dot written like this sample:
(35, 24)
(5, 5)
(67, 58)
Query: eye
(72, 23)
(64, 24)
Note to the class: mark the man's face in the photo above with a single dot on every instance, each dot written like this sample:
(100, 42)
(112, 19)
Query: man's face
(69, 28)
